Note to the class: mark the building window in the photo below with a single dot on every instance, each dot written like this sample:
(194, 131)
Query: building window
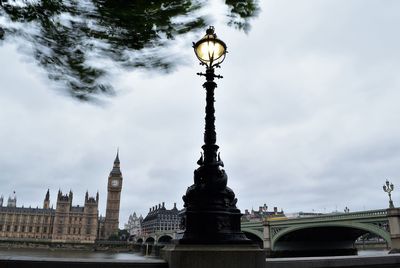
(30, 229)
(15, 228)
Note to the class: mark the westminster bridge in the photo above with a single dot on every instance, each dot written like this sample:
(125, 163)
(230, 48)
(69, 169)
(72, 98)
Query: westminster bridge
(328, 233)
(333, 233)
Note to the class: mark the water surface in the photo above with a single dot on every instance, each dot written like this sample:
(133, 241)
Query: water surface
(372, 252)
(74, 254)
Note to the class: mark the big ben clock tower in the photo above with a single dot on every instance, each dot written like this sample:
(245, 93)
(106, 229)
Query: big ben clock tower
(113, 200)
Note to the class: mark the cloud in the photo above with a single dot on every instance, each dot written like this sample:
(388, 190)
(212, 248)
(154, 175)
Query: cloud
(307, 117)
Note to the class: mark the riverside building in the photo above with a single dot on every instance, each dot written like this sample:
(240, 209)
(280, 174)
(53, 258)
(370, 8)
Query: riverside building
(261, 214)
(65, 223)
(160, 219)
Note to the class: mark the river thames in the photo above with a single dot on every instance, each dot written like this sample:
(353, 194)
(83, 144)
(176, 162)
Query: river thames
(131, 256)
(74, 254)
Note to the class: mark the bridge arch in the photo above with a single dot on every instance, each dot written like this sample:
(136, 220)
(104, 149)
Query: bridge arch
(149, 240)
(139, 241)
(256, 233)
(164, 239)
(254, 236)
(371, 228)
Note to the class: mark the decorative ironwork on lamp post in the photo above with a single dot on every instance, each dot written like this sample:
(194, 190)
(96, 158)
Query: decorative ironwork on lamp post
(211, 216)
(388, 188)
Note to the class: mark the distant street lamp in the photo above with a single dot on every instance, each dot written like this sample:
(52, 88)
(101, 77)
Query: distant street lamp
(211, 216)
(388, 188)
(346, 210)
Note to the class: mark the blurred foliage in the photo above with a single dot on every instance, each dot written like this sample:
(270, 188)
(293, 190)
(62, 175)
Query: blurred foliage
(78, 42)
(241, 11)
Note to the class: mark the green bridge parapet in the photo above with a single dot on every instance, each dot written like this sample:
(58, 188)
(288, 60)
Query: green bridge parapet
(373, 214)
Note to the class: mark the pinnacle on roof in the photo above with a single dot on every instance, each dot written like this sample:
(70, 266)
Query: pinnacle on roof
(13, 196)
(47, 198)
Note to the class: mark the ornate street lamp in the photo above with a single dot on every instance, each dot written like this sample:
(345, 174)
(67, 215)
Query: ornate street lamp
(210, 50)
(211, 216)
(388, 188)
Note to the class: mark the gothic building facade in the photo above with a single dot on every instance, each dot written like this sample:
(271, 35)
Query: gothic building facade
(65, 223)
(134, 225)
(75, 223)
(25, 223)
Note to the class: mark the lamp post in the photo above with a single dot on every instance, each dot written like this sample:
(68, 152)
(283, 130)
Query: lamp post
(211, 216)
(388, 188)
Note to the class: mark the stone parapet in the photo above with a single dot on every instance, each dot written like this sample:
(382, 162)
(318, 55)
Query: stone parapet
(213, 256)
(388, 261)
(393, 215)
(39, 262)
(393, 212)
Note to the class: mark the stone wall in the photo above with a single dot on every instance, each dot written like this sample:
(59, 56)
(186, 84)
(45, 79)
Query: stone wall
(22, 262)
(388, 261)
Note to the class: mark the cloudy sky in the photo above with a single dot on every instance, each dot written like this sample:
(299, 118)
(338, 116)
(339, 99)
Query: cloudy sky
(307, 116)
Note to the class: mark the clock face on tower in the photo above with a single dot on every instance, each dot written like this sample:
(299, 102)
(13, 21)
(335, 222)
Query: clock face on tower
(114, 183)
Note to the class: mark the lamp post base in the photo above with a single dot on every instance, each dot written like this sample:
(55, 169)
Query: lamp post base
(213, 227)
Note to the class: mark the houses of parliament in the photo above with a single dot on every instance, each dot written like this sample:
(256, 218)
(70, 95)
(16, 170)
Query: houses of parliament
(65, 223)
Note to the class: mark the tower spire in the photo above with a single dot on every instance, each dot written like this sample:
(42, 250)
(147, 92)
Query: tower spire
(116, 168)
(116, 161)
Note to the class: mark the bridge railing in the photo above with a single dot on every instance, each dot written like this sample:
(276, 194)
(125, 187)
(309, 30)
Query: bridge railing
(378, 213)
